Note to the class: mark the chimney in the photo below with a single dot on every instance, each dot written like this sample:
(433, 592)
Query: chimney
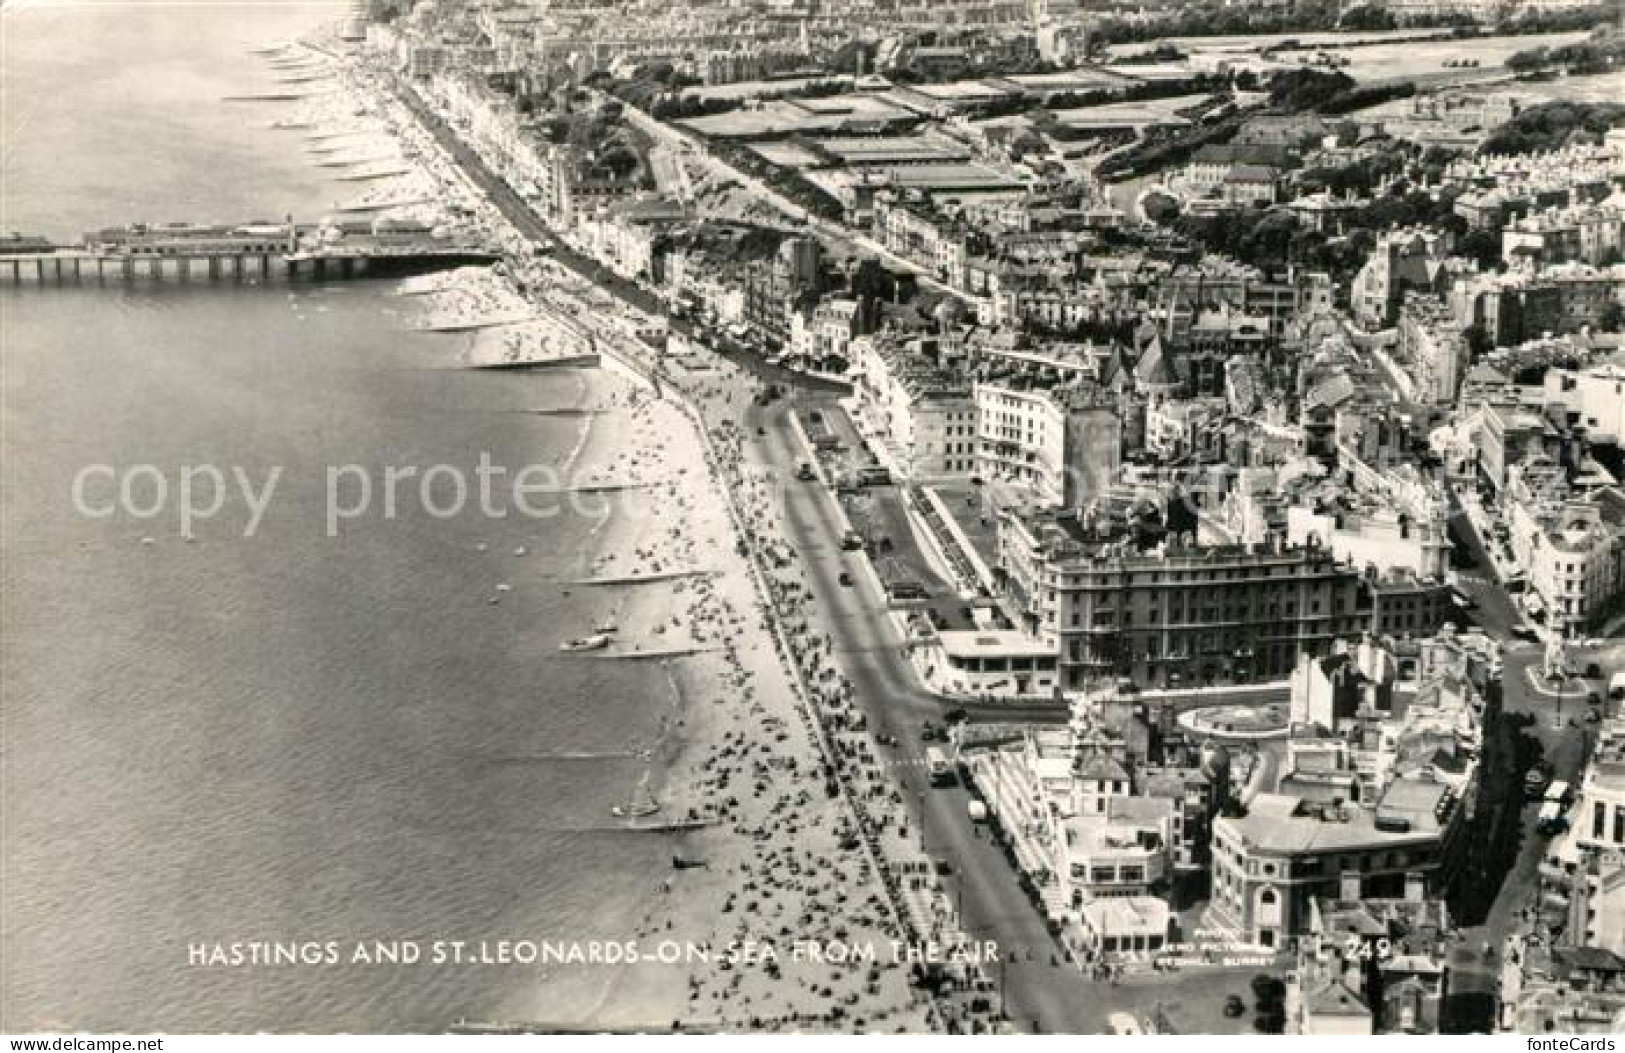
(1350, 886)
(1415, 887)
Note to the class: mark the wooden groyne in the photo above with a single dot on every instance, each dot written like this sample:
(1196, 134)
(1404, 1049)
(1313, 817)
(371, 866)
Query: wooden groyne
(661, 653)
(561, 362)
(546, 1027)
(651, 576)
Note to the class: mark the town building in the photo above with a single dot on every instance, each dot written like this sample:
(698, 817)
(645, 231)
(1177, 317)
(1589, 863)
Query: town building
(923, 413)
(1270, 865)
(1061, 444)
(1171, 616)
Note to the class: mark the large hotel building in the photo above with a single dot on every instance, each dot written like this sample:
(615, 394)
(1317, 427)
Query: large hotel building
(1233, 614)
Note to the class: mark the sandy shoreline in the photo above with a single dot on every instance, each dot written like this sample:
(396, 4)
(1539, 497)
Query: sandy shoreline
(783, 866)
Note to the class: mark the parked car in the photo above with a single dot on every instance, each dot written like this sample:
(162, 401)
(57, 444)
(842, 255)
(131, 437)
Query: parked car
(1534, 783)
(846, 578)
(1234, 1006)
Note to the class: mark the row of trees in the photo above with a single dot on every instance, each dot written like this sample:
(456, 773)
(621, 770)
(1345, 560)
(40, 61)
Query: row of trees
(1267, 237)
(1331, 93)
(1585, 56)
(787, 181)
(1154, 156)
(1553, 124)
(1209, 20)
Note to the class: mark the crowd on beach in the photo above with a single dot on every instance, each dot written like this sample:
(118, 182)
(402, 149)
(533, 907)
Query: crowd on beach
(800, 834)
(916, 901)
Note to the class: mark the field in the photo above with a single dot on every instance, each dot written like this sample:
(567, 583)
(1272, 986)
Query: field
(1373, 62)
(1254, 42)
(1601, 87)
(1421, 58)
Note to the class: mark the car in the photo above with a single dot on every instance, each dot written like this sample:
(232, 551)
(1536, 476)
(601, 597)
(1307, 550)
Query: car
(1234, 1006)
(1594, 716)
(1593, 671)
(1534, 783)
(886, 739)
(846, 578)
(851, 541)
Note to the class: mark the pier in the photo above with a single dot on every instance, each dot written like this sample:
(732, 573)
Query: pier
(251, 252)
(78, 267)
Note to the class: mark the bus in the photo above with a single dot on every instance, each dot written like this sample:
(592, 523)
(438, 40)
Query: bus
(938, 766)
(1553, 806)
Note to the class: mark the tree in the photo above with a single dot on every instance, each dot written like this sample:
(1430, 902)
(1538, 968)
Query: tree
(1483, 246)
(1160, 208)
(1268, 990)
(1550, 125)
(1266, 241)
(1307, 89)
(1367, 18)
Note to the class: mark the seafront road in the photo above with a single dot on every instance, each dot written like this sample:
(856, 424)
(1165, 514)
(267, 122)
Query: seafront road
(1043, 991)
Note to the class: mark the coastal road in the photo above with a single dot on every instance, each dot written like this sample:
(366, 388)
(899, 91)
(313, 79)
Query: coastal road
(1043, 992)
(517, 210)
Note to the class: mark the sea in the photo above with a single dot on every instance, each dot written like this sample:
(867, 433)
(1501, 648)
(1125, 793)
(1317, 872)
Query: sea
(306, 737)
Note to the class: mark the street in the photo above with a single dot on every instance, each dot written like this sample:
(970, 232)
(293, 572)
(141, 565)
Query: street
(1043, 990)
(1476, 577)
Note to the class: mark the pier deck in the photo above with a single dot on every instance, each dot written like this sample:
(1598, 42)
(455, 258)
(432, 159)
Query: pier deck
(81, 266)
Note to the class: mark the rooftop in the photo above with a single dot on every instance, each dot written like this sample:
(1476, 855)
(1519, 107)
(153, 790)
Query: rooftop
(1279, 823)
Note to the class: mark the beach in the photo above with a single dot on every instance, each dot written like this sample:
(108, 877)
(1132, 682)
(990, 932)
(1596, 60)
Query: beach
(377, 735)
(768, 868)
(772, 879)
